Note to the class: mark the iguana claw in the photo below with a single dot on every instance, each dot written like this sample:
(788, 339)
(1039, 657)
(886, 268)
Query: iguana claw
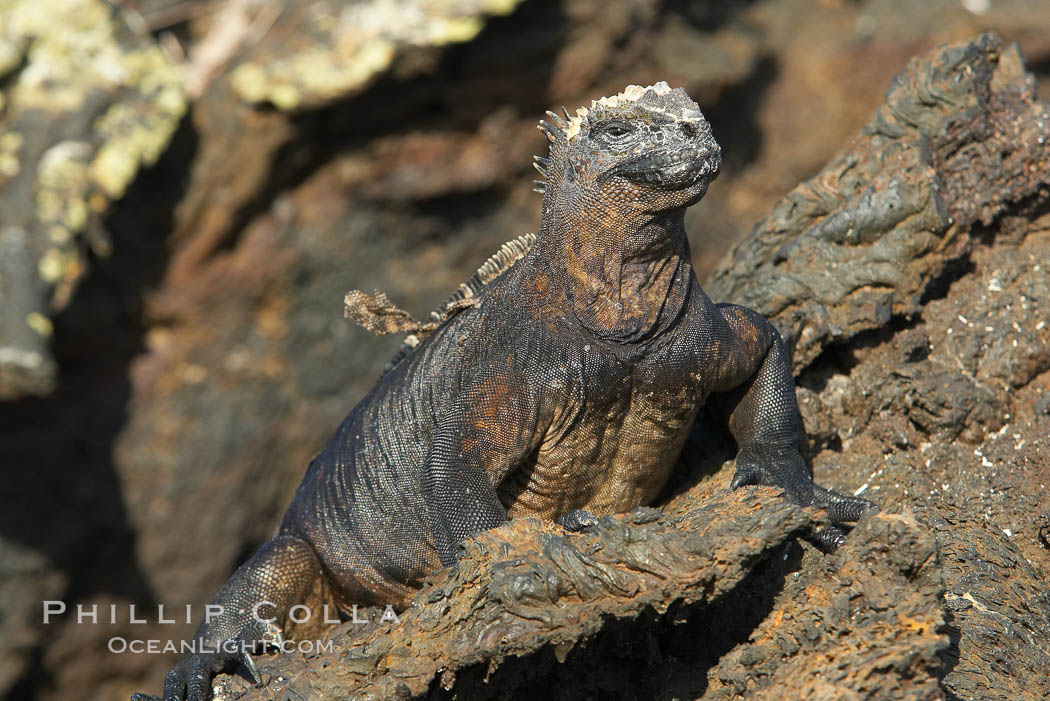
(745, 475)
(840, 507)
(191, 678)
(830, 539)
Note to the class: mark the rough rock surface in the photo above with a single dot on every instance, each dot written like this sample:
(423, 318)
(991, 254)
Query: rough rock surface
(859, 244)
(204, 361)
(941, 395)
(954, 404)
(629, 609)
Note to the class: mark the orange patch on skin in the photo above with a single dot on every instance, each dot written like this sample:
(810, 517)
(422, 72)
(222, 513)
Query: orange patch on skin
(469, 444)
(492, 398)
(495, 433)
(541, 284)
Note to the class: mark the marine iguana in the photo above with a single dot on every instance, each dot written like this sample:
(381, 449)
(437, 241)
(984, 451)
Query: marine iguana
(562, 381)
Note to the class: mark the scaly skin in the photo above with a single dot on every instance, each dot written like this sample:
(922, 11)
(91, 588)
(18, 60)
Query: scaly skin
(566, 390)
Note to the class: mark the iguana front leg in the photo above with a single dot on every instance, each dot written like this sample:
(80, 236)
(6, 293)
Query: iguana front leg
(765, 420)
(280, 574)
(491, 428)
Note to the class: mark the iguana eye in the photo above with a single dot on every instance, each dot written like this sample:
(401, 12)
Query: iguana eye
(616, 130)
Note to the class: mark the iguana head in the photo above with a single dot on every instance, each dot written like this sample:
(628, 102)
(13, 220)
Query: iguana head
(645, 150)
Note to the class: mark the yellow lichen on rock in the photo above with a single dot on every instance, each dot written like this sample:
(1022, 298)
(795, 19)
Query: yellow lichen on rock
(85, 103)
(72, 57)
(345, 47)
(64, 56)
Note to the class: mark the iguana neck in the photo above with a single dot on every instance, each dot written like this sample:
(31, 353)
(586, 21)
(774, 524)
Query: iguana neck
(624, 281)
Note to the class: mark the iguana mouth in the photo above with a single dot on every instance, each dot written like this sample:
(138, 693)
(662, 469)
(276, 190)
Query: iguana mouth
(670, 170)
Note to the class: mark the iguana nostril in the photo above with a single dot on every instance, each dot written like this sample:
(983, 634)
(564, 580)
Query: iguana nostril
(688, 129)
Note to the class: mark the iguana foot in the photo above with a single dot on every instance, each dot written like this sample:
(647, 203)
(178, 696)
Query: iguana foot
(841, 508)
(794, 478)
(785, 469)
(577, 520)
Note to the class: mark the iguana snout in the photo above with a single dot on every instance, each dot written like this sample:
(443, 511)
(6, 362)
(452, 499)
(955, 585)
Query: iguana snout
(671, 169)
